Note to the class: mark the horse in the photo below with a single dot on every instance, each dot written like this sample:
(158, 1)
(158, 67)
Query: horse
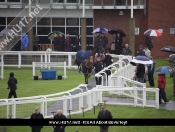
(82, 55)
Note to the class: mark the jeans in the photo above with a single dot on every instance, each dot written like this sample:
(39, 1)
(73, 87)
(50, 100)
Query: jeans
(141, 80)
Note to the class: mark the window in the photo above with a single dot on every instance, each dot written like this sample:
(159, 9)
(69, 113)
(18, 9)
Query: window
(44, 21)
(71, 1)
(2, 28)
(27, 1)
(13, 0)
(58, 1)
(89, 40)
(89, 21)
(88, 30)
(44, 40)
(72, 21)
(43, 30)
(44, 1)
(2, 21)
(2, 0)
(61, 29)
(58, 21)
(72, 30)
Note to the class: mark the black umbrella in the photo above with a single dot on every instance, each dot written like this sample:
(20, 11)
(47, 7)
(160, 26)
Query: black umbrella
(168, 49)
(115, 31)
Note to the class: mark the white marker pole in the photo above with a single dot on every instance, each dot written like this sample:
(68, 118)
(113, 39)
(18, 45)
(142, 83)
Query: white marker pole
(131, 8)
(83, 8)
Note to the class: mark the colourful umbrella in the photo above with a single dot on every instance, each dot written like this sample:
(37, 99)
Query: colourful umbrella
(152, 32)
(164, 70)
(100, 30)
(51, 35)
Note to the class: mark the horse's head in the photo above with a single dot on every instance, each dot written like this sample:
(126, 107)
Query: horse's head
(97, 49)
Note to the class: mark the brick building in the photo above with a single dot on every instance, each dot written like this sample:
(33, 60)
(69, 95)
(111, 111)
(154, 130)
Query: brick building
(66, 14)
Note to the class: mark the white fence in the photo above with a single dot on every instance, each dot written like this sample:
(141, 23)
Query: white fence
(2, 69)
(49, 65)
(119, 85)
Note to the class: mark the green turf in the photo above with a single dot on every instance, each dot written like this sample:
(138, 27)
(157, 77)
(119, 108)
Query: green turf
(28, 87)
(117, 112)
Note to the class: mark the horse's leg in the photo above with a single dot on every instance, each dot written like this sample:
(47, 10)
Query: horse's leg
(85, 78)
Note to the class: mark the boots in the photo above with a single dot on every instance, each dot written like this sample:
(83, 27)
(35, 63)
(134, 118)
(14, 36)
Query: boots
(174, 91)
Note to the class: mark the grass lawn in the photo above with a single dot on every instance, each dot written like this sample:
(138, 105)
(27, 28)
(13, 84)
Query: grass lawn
(29, 87)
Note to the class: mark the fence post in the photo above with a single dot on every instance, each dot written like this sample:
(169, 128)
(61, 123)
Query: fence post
(157, 98)
(65, 76)
(89, 101)
(69, 60)
(65, 106)
(80, 102)
(19, 60)
(144, 96)
(14, 109)
(42, 106)
(41, 60)
(45, 59)
(45, 114)
(33, 65)
(135, 96)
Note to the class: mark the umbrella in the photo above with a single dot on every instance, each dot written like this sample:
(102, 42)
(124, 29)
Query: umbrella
(5, 31)
(172, 56)
(100, 30)
(141, 60)
(168, 49)
(152, 32)
(164, 70)
(115, 31)
(51, 35)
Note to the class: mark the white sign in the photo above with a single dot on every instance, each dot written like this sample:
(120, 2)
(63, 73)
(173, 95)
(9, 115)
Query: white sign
(172, 30)
(136, 31)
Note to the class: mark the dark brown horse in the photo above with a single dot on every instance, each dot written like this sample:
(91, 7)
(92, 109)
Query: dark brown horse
(84, 55)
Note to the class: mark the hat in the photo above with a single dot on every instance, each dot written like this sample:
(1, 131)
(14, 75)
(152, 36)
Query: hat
(11, 74)
(140, 47)
(36, 108)
(103, 107)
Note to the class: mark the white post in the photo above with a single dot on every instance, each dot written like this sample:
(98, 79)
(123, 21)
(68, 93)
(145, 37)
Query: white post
(19, 60)
(45, 59)
(131, 8)
(2, 69)
(33, 64)
(157, 98)
(69, 60)
(41, 60)
(65, 106)
(80, 103)
(83, 8)
(65, 70)
(42, 106)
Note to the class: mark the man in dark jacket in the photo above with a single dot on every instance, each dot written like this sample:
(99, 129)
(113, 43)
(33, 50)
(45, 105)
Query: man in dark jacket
(140, 72)
(36, 115)
(149, 43)
(98, 68)
(104, 114)
(56, 42)
(151, 69)
(60, 116)
(126, 50)
(141, 52)
(108, 61)
(61, 42)
(103, 41)
(12, 85)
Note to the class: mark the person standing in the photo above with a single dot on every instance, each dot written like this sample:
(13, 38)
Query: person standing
(61, 42)
(141, 52)
(77, 43)
(161, 85)
(103, 41)
(113, 50)
(59, 116)
(104, 114)
(140, 71)
(174, 83)
(17, 41)
(96, 40)
(25, 42)
(151, 69)
(56, 42)
(35, 42)
(67, 44)
(98, 67)
(118, 44)
(108, 61)
(149, 42)
(126, 50)
(36, 115)
(147, 51)
(12, 85)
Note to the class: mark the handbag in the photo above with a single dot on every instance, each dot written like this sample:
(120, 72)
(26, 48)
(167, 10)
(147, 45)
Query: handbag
(113, 46)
